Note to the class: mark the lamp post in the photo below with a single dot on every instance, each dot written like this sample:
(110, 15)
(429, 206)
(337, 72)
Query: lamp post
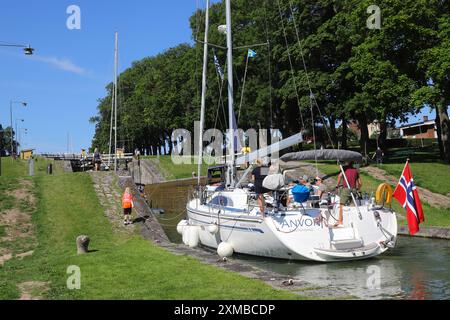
(17, 135)
(20, 136)
(24, 104)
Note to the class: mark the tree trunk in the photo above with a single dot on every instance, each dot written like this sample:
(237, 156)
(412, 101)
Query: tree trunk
(344, 133)
(439, 134)
(383, 134)
(333, 132)
(364, 140)
(445, 130)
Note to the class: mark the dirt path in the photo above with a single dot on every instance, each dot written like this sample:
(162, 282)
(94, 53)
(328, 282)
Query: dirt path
(434, 199)
(18, 239)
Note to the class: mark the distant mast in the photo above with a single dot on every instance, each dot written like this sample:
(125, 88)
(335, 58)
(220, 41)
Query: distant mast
(116, 67)
(203, 102)
(230, 173)
(113, 99)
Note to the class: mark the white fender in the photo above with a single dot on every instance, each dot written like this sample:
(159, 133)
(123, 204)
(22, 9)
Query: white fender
(225, 250)
(213, 229)
(181, 225)
(186, 232)
(193, 237)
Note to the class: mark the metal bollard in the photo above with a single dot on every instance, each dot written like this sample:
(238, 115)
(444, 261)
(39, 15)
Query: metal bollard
(50, 169)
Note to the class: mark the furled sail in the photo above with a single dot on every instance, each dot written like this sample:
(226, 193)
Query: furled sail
(323, 154)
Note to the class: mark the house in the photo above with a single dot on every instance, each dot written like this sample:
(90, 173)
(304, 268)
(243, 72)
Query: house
(421, 130)
(26, 154)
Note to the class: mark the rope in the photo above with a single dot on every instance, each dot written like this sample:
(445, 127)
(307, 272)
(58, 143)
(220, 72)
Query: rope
(290, 63)
(243, 88)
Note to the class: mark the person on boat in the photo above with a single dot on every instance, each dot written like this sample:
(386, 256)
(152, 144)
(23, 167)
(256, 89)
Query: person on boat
(127, 205)
(258, 176)
(354, 184)
(319, 188)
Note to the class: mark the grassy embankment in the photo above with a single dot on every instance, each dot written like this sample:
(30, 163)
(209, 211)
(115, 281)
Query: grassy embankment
(121, 266)
(428, 170)
(172, 171)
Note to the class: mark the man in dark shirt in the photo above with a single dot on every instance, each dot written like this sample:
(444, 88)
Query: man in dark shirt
(354, 184)
(379, 154)
(258, 175)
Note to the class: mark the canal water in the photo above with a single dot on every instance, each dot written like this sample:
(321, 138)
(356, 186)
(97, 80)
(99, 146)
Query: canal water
(417, 268)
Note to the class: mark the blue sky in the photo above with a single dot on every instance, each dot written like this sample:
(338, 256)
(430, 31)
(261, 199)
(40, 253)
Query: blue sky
(71, 68)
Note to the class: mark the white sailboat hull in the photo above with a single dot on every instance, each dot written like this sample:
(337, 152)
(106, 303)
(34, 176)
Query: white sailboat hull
(296, 234)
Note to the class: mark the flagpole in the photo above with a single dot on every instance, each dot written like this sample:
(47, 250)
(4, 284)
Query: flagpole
(203, 102)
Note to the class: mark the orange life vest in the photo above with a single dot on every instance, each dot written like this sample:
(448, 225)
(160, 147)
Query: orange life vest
(127, 201)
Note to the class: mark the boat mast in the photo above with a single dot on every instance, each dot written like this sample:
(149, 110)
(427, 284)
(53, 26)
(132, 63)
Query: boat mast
(202, 111)
(116, 65)
(231, 173)
(111, 120)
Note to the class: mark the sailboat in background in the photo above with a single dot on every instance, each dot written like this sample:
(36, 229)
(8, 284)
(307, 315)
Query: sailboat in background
(228, 218)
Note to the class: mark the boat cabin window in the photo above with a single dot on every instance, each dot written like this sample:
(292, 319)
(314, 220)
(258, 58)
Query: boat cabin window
(221, 201)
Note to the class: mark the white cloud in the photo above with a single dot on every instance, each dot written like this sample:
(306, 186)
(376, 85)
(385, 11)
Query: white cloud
(62, 64)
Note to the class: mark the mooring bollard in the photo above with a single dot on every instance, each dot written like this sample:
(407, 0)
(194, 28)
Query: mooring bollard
(31, 167)
(83, 244)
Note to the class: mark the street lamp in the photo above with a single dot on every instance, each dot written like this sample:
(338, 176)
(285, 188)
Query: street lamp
(27, 49)
(11, 103)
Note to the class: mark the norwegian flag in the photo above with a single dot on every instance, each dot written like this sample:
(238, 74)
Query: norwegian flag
(407, 194)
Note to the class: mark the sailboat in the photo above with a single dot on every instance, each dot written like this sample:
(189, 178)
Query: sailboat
(229, 220)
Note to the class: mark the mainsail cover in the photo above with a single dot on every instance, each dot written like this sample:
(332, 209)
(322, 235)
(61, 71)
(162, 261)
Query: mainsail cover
(323, 154)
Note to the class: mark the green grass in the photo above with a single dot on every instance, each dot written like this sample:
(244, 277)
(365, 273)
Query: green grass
(122, 266)
(173, 171)
(437, 217)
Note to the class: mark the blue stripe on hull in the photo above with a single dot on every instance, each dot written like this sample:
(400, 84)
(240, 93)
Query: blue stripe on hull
(232, 227)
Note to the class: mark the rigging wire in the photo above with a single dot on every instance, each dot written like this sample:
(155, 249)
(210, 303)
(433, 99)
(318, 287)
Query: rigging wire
(308, 79)
(243, 88)
(269, 61)
(290, 63)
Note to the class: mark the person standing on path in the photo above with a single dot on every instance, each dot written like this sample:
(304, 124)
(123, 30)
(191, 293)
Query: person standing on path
(97, 160)
(127, 205)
